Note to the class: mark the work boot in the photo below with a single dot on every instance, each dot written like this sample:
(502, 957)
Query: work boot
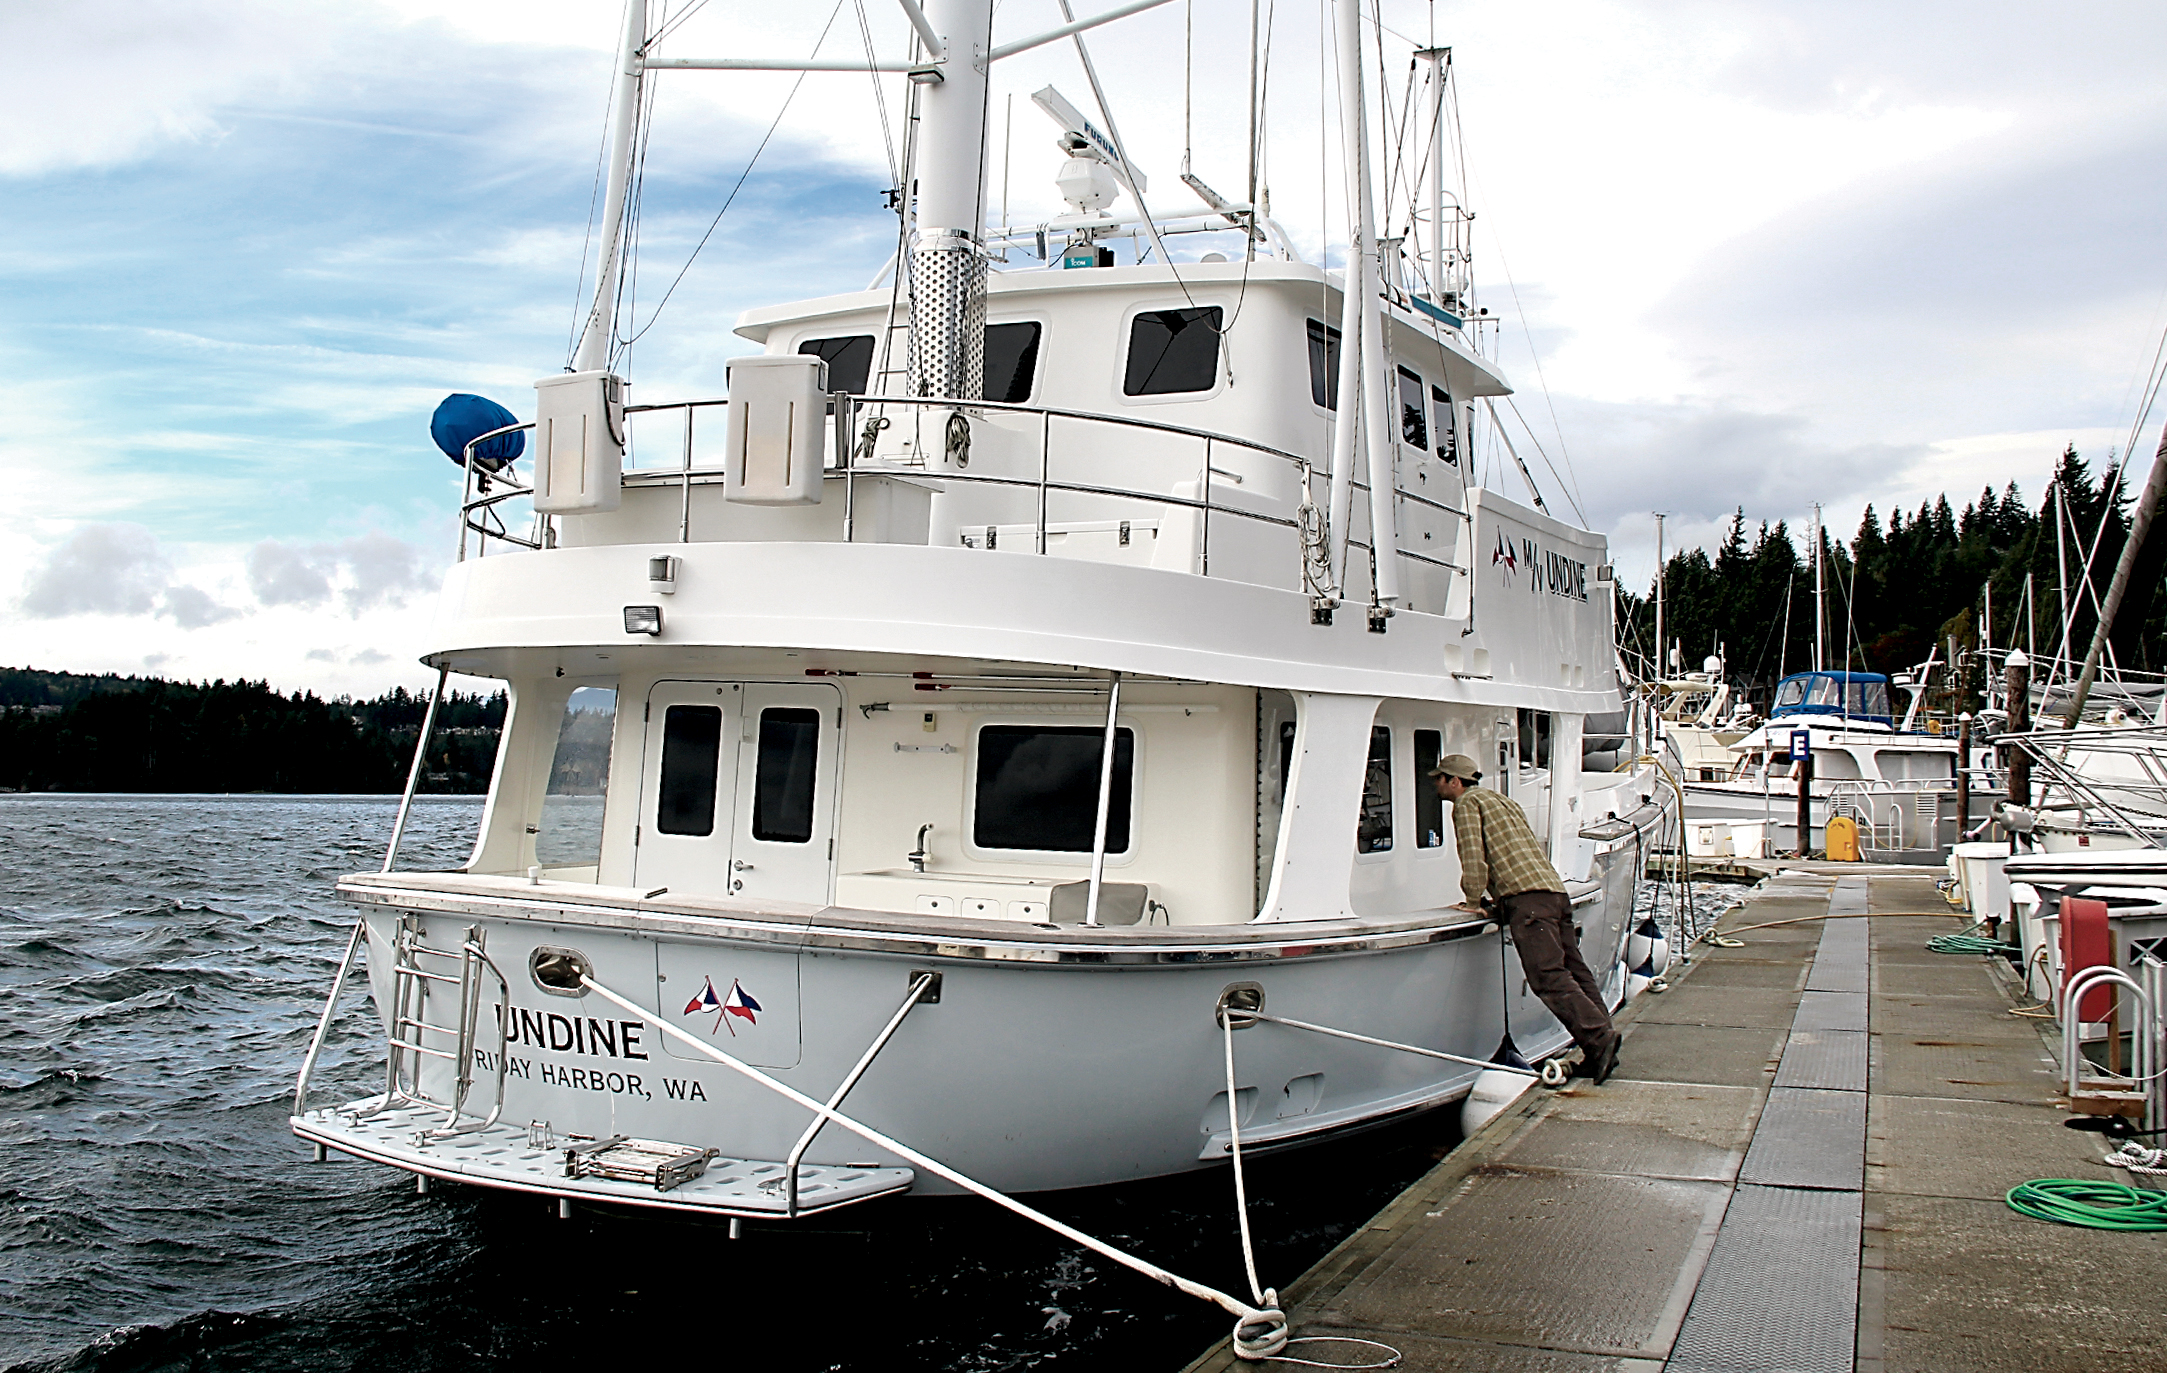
(1609, 1062)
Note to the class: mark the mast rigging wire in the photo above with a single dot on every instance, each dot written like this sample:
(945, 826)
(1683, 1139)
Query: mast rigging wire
(754, 161)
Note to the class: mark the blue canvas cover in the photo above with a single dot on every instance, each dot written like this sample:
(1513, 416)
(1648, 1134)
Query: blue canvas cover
(461, 418)
(1850, 695)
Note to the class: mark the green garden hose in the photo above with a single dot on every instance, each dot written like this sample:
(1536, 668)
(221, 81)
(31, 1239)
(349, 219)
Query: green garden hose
(2093, 1205)
(1967, 941)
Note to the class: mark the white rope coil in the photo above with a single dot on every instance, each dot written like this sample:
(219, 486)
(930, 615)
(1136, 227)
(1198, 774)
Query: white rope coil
(2137, 1158)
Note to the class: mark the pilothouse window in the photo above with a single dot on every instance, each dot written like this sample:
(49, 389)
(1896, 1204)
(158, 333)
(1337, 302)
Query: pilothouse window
(1414, 428)
(1429, 806)
(1011, 362)
(691, 755)
(1323, 364)
(1171, 351)
(1373, 827)
(1038, 788)
(1446, 428)
(782, 792)
(850, 360)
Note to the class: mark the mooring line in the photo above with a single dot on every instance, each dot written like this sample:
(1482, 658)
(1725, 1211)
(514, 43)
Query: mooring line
(1259, 1333)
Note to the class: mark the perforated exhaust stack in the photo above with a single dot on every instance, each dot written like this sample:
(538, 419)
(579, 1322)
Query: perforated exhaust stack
(948, 316)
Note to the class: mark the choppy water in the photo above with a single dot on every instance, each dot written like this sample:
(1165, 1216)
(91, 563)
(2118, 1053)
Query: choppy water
(162, 960)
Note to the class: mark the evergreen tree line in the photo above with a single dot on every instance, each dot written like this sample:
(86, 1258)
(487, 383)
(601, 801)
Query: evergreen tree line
(63, 731)
(1900, 590)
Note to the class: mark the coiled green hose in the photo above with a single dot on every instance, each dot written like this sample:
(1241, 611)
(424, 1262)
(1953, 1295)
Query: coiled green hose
(1968, 940)
(2093, 1205)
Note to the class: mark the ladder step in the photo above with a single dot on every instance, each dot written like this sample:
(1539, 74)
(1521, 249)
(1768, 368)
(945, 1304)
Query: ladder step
(445, 1054)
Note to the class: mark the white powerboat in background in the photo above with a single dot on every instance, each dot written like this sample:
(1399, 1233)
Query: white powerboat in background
(1897, 782)
(989, 694)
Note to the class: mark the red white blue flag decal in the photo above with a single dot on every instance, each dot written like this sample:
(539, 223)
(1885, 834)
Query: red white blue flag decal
(736, 1002)
(1502, 556)
(740, 1003)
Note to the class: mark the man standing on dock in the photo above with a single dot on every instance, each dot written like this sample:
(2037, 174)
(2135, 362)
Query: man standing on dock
(1500, 858)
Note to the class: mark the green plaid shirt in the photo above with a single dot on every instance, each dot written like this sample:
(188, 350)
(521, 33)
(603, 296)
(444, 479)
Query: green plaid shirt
(1498, 852)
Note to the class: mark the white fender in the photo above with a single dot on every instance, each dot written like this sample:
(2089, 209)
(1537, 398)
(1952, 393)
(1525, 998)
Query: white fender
(1494, 1090)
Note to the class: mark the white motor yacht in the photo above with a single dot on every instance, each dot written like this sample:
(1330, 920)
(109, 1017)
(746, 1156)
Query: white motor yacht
(1014, 674)
(1896, 782)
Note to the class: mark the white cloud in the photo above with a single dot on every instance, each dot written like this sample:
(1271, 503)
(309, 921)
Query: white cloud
(281, 574)
(101, 569)
(110, 81)
(192, 607)
(367, 571)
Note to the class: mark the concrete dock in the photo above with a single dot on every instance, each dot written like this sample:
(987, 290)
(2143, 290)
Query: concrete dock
(1799, 1165)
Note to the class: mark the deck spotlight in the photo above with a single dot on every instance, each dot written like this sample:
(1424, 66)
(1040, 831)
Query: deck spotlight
(643, 619)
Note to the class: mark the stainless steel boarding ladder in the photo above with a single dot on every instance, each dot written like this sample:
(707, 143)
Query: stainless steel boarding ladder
(416, 968)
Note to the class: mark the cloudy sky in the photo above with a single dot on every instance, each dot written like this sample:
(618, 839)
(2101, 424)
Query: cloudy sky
(1744, 253)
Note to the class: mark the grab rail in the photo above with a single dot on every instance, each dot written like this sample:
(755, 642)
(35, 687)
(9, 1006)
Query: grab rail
(484, 491)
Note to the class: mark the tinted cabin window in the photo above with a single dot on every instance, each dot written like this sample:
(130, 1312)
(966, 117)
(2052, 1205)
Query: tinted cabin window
(1038, 788)
(1323, 364)
(782, 788)
(1535, 738)
(570, 831)
(1791, 693)
(1429, 806)
(850, 360)
(1286, 757)
(1171, 351)
(1446, 428)
(1011, 362)
(691, 751)
(1414, 428)
(1373, 827)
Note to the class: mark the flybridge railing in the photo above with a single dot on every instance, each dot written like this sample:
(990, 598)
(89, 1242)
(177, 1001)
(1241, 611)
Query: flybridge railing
(854, 458)
(479, 499)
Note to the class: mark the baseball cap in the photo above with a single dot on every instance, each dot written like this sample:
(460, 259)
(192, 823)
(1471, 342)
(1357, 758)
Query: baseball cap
(1457, 765)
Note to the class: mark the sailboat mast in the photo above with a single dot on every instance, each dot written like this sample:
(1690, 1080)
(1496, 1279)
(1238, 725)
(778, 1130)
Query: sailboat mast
(1661, 652)
(592, 355)
(1820, 611)
(2140, 525)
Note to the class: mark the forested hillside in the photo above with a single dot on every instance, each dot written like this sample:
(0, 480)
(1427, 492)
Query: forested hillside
(63, 731)
(1898, 588)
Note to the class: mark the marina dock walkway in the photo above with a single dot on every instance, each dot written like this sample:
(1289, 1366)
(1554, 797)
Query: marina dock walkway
(1799, 1166)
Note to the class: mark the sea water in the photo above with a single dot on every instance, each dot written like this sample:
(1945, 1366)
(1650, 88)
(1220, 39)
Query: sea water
(162, 964)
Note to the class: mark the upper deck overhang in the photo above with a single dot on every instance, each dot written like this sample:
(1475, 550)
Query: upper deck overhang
(518, 613)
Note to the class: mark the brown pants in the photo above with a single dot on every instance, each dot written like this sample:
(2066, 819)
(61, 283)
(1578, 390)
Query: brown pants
(1542, 929)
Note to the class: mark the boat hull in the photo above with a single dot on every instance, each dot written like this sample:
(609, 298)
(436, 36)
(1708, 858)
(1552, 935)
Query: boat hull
(1044, 1064)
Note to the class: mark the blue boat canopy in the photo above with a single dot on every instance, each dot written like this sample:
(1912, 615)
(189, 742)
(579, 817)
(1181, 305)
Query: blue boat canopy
(1851, 695)
(462, 418)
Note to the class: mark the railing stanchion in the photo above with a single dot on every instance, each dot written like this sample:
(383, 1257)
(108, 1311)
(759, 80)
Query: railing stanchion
(1045, 464)
(466, 499)
(1106, 795)
(846, 423)
(1204, 539)
(684, 518)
